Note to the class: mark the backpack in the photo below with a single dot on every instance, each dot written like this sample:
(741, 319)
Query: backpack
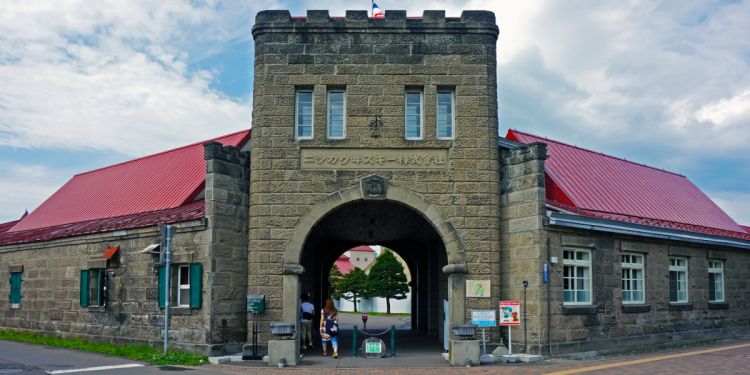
(307, 316)
(332, 327)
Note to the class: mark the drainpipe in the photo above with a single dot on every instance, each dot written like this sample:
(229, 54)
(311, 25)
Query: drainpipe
(549, 300)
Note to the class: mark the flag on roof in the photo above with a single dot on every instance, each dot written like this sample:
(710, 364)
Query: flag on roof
(376, 12)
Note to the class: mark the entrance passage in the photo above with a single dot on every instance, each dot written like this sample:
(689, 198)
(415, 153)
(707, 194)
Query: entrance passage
(396, 227)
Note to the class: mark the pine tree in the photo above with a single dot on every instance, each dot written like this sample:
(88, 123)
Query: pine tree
(352, 286)
(387, 279)
(334, 277)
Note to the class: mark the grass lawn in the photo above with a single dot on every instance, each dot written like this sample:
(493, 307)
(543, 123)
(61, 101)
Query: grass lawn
(138, 352)
(399, 315)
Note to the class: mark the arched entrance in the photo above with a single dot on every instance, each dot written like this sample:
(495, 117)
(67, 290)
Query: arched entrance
(378, 213)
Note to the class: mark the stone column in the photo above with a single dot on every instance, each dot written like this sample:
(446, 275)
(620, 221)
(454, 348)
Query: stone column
(456, 294)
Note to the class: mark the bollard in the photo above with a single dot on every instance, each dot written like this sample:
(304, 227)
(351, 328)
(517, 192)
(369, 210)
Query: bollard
(354, 341)
(393, 340)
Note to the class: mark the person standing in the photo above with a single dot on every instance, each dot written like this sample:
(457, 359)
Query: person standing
(307, 311)
(329, 327)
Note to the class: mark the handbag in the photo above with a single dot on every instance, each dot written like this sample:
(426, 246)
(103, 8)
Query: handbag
(332, 327)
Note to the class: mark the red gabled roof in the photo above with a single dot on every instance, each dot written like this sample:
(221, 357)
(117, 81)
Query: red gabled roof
(190, 211)
(600, 185)
(363, 248)
(746, 228)
(4, 227)
(343, 264)
(162, 181)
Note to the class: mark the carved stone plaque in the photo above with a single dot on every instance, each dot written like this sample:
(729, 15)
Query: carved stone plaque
(373, 159)
(374, 187)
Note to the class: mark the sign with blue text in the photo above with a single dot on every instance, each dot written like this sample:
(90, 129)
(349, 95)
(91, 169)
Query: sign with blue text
(484, 318)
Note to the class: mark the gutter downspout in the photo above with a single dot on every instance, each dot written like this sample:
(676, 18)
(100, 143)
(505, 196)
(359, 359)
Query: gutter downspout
(549, 299)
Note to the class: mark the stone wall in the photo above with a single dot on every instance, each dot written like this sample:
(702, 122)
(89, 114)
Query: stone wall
(51, 274)
(51, 287)
(610, 325)
(375, 61)
(523, 236)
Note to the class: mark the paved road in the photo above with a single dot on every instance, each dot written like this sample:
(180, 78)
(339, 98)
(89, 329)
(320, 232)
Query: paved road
(19, 358)
(728, 358)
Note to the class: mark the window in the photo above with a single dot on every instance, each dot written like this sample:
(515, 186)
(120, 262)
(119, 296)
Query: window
(186, 285)
(15, 288)
(304, 114)
(576, 277)
(183, 286)
(632, 279)
(715, 281)
(678, 280)
(336, 114)
(93, 287)
(445, 114)
(413, 115)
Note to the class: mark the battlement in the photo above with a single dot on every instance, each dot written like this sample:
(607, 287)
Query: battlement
(359, 21)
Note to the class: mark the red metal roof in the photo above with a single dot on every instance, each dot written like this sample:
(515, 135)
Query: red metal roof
(600, 185)
(363, 248)
(746, 228)
(162, 181)
(4, 227)
(344, 265)
(190, 211)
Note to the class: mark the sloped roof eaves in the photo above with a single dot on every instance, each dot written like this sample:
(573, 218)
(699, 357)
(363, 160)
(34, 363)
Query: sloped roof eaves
(4, 227)
(188, 212)
(161, 181)
(604, 183)
(636, 229)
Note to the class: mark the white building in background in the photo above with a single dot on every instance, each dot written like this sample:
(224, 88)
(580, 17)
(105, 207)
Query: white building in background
(364, 257)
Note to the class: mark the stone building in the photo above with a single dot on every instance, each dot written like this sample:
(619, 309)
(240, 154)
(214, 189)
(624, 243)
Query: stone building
(380, 131)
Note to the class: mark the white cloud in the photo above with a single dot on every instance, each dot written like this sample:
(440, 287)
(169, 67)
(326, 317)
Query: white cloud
(727, 112)
(113, 75)
(25, 183)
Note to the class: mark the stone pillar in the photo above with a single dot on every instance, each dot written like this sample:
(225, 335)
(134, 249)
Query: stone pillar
(523, 239)
(456, 295)
(227, 197)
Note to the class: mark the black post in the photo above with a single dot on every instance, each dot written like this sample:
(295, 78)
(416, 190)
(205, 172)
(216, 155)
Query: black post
(525, 285)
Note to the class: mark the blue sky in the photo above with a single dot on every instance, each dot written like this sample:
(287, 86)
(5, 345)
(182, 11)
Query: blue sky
(87, 84)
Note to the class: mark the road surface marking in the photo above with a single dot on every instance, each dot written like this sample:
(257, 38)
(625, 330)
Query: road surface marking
(100, 368)
(646, 360)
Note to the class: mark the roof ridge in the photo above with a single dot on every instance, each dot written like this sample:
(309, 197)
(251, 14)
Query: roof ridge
(162, 152)
(599, 153)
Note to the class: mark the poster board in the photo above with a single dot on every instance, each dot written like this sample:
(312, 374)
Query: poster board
(510, 313)
(478, 288)
(483, 318)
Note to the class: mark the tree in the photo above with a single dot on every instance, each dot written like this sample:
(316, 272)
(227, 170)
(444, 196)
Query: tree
(334, 277)
(352, 286)
(387, 279)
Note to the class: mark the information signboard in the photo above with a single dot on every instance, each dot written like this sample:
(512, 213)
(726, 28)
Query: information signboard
(256, 303)
(509, 313)
(483, 318)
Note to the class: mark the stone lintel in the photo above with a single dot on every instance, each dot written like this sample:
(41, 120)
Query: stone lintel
(18, 268)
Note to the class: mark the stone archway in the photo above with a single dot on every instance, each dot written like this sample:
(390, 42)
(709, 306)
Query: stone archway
(376, 188)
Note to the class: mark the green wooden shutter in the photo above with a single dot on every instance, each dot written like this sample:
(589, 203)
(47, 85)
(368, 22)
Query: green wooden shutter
(162, 284)
(84, 288)
(196, 285)
(15, 287)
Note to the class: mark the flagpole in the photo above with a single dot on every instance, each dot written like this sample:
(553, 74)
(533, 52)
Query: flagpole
(372, 2)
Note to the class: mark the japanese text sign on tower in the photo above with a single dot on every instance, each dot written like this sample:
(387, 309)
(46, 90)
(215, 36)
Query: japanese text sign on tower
(509, 313)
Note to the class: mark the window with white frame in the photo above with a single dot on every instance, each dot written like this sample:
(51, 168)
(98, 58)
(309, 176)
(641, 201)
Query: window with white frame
(413, 115)
(576, 277)
(183, 285)
(303, 119)
(678, 280)
(336, 114)
(715, 281)
(445, 114)
(633, 281)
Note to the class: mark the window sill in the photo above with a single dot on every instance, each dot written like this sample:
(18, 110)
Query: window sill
(680, 306)
(718, 306)
(97, 309)
(15, 306)
(635, 308)
(578, 310)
